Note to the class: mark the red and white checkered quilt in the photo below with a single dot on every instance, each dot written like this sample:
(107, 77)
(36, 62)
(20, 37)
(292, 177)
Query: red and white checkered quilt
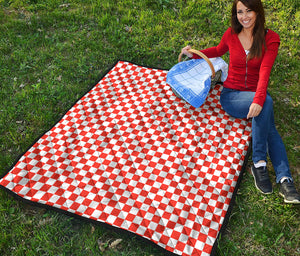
(132, 155)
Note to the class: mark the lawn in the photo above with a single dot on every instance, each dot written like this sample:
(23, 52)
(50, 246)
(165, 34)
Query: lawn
(53, 51)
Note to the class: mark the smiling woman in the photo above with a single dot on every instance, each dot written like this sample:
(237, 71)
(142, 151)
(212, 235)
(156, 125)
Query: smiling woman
(248, 21)
(253, 50)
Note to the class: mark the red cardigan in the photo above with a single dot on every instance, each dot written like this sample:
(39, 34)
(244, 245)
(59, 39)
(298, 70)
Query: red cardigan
(252, 75)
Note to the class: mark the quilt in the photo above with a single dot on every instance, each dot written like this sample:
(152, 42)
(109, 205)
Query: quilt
(132, 155)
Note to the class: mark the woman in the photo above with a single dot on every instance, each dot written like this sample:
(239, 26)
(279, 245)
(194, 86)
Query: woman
(253, 50)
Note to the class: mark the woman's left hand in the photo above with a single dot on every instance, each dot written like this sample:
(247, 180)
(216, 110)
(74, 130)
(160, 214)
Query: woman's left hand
(254, 110)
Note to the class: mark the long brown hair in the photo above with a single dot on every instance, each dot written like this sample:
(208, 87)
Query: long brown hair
(259, 27)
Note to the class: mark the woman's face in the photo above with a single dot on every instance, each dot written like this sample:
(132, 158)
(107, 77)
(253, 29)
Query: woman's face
(245, 16)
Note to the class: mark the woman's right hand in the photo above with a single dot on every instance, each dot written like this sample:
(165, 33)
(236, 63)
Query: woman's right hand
(185, 51)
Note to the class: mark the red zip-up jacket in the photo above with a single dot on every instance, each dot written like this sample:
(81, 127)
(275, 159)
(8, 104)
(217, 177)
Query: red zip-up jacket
(246, 75)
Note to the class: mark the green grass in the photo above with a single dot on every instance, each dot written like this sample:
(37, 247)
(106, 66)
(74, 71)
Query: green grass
(53, 51)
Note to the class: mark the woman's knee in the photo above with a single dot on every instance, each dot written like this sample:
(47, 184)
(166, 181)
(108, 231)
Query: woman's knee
(236, 103)
(268, 105)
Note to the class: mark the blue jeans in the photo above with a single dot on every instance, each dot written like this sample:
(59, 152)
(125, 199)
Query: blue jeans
(265, 138)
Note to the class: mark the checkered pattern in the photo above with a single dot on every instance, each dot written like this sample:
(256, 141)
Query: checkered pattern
(131, 154)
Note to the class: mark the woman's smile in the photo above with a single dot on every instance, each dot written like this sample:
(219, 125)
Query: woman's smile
(245, 16)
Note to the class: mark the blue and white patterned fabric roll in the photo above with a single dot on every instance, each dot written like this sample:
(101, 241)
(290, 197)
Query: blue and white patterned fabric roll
(191, 79)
